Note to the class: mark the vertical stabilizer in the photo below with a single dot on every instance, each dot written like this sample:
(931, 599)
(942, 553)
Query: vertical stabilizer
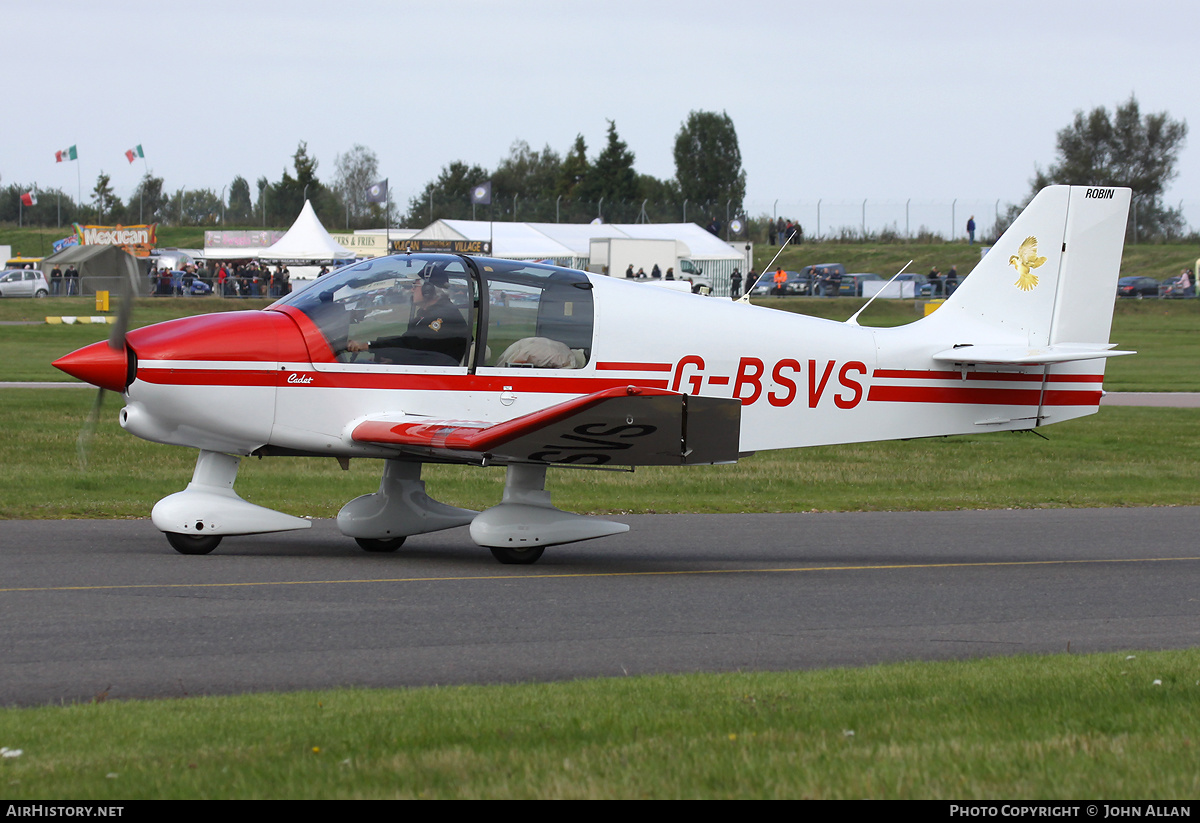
(1051, 278)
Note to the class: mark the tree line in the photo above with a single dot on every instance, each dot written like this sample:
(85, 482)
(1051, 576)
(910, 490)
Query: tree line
(527, 185)
(342, 204)
(544, 186)
(1124, 148)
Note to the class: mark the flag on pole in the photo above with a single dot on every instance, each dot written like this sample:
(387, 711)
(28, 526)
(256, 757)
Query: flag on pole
(29, 198)
(377, 192)
(66, 154)
(482, 194)
(134, 153)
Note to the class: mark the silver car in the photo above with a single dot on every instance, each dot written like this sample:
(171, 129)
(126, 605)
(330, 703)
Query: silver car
(23, 283)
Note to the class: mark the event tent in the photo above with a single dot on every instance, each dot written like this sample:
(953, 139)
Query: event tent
(306, 243)
(100, 268)
(569, 244)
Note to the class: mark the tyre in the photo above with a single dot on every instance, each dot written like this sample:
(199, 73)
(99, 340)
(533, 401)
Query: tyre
(518, 557)
(42, 293)
(372, 544)
(193, 544)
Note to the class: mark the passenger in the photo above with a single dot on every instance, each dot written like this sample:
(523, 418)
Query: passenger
(437, 334)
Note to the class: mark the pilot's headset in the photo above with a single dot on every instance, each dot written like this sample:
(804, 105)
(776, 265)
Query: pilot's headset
(431, 282)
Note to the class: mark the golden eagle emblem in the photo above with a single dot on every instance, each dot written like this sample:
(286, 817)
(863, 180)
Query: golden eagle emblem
(1025, 261)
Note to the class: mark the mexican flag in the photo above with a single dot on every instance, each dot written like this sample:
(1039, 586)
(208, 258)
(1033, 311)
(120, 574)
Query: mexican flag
(29, 198)
(134, 153)
(66, 154)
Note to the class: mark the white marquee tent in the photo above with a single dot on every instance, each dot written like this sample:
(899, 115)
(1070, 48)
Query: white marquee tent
(307, 244)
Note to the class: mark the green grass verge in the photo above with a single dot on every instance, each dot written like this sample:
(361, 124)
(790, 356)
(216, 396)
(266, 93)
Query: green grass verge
(27, 351)
(1097, 726)
(1150, 260)
(1146, 260)
(1166, 334)
(1118, 457)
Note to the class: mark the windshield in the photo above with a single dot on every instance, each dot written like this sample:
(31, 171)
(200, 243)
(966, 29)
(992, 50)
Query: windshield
(426, 309)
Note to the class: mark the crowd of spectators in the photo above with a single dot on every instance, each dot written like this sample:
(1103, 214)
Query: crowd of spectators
(781, 232)
(248, 279)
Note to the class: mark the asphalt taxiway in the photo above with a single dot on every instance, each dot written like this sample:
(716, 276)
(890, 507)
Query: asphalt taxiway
(105, 607)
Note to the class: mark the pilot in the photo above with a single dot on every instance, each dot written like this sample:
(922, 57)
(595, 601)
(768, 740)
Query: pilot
(437, 334)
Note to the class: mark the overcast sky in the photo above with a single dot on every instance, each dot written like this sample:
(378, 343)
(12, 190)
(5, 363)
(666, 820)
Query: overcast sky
(879, 100)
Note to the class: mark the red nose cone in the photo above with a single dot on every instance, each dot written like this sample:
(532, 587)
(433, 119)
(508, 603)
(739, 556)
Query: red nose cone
(99, 365)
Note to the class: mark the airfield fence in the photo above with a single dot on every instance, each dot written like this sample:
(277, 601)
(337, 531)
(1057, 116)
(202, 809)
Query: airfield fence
(910, 219)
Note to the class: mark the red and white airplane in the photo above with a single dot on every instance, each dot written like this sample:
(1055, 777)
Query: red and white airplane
(420, 358)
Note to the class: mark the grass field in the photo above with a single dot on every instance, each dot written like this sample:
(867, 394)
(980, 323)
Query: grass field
(1150, 260)
(1097, 727)
(1165, 333)
(885, 259)
(1100, 727)
(1118, 457)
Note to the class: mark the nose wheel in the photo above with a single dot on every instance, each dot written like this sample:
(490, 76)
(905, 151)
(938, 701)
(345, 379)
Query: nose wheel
(193, 544)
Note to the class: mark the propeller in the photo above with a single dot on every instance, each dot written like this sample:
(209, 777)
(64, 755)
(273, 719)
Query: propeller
(127, 288)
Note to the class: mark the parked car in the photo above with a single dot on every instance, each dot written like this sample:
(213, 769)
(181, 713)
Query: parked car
(922, 287)
(187, 283)
(852, 284)
(824, 278)
(1137, 287)
(23, 283)
(796, 284)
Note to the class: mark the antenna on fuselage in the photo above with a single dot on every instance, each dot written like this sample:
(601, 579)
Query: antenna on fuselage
(853, 321)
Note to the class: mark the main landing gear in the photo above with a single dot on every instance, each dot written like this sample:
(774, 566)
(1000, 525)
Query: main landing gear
(380, 522)
(370, 544)
(524, 524)
(518, 557)
(517, 531)
(193, 544)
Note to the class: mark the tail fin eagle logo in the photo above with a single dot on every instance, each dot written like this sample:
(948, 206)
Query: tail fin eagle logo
(1025, 261)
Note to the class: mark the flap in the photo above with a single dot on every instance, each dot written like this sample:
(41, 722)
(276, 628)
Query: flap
(623, 426)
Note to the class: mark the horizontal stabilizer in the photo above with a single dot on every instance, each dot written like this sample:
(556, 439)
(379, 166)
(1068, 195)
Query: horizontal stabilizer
(624, 426)
(994, 355)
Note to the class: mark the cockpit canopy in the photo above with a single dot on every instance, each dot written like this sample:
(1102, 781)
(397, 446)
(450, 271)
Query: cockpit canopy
(447, 310)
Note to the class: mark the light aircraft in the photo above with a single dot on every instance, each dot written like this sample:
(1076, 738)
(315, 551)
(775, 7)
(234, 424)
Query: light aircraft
(428, 358)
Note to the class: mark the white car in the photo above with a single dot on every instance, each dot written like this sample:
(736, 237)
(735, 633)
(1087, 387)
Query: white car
(23, 283)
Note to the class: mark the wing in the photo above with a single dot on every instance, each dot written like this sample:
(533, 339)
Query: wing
(624, 426)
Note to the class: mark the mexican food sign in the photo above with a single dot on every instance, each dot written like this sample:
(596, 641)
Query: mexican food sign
(137, 240)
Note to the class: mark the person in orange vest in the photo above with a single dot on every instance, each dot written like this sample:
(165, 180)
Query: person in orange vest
(780, 280)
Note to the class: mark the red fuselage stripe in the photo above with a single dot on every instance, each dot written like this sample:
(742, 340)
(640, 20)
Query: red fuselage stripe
(614, 366)
(912, 374)
(982, 397)
(413, 382)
